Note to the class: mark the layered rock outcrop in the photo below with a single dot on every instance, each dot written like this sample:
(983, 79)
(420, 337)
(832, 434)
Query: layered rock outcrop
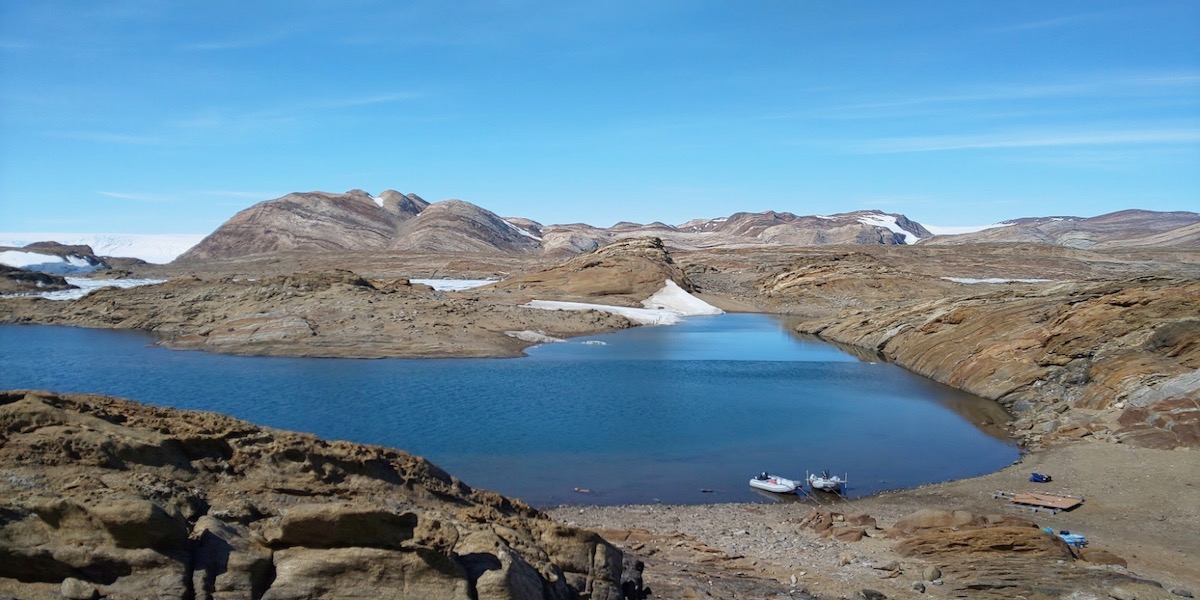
(1115, 358)
(106, 497)
(624, 272)
(334, 313)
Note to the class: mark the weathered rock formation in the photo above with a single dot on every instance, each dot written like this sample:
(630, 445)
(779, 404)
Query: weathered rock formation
(624, 272)
(60, 259)
(106, 497)
(1116, 358)
(22, 281)
(330, 313)
(1001, 557)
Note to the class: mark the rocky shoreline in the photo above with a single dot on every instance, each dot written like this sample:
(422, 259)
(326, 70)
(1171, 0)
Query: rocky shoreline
(1097, 368)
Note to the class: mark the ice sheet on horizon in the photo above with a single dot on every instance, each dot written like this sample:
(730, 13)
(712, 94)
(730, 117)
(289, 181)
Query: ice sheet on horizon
(150, 247)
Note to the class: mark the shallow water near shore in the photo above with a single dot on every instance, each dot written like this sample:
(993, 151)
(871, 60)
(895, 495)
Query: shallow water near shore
(681, 414)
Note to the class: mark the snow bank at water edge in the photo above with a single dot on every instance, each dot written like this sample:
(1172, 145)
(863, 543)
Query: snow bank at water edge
(641, 316)
(45, 263)
(87, 286)
(537, 337)
(667, 306)
(674, 298)
(453, 285)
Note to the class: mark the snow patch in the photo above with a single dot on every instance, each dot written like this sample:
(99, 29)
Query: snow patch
(641, 316)
(673, 298)
(667, 306)
(453, 285)
(86, 286)
(889, 222)
(972, 280)
(150, 247)
(378, 201)
(521, 231)
(46, 263)
(536, 337)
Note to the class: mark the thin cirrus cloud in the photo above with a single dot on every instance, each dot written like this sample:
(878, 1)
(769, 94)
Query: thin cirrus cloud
(135, 197)
(109, 137)
(1107, 87)
(1055, 23)
(165, 198)
(1033, 139)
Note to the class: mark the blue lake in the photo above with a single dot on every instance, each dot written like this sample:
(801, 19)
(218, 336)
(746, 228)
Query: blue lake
(654, 414)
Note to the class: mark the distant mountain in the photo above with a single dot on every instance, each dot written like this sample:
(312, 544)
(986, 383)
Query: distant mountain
(357, 221)
(1122, 229)
(746, 230)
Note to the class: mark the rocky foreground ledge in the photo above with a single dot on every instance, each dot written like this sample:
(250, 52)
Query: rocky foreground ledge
(101, 497)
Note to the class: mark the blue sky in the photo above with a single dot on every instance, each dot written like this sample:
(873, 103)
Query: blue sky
(158, 116)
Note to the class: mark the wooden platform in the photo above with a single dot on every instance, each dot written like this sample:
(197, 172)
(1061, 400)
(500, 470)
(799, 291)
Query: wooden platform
(1041, 501)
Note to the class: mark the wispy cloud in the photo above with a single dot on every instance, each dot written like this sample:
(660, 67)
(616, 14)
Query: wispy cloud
(1052, 23)
(1029, 139)
(109, 137)
(255, 39)
(383, 98)
(237, 194)
(1102, 86)
(136, 197)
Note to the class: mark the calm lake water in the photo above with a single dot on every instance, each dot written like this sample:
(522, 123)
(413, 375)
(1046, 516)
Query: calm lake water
(655, 414)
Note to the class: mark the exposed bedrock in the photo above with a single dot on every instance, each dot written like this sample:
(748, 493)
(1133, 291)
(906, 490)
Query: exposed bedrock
(327, 313)
(106, 497)
(1114, 359)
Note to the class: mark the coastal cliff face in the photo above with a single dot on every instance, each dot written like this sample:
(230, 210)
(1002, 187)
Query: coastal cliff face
(106, 497)
(1115, 359)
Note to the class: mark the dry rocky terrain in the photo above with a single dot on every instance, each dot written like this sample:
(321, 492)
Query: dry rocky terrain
(1094, 354)
(109, 498)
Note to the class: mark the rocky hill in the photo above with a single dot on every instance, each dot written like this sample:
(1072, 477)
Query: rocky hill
(355, 221)
(1123, 229)
(457, 226)
(108, 498)
(624, 272)
(306, 222)
(318, 222)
